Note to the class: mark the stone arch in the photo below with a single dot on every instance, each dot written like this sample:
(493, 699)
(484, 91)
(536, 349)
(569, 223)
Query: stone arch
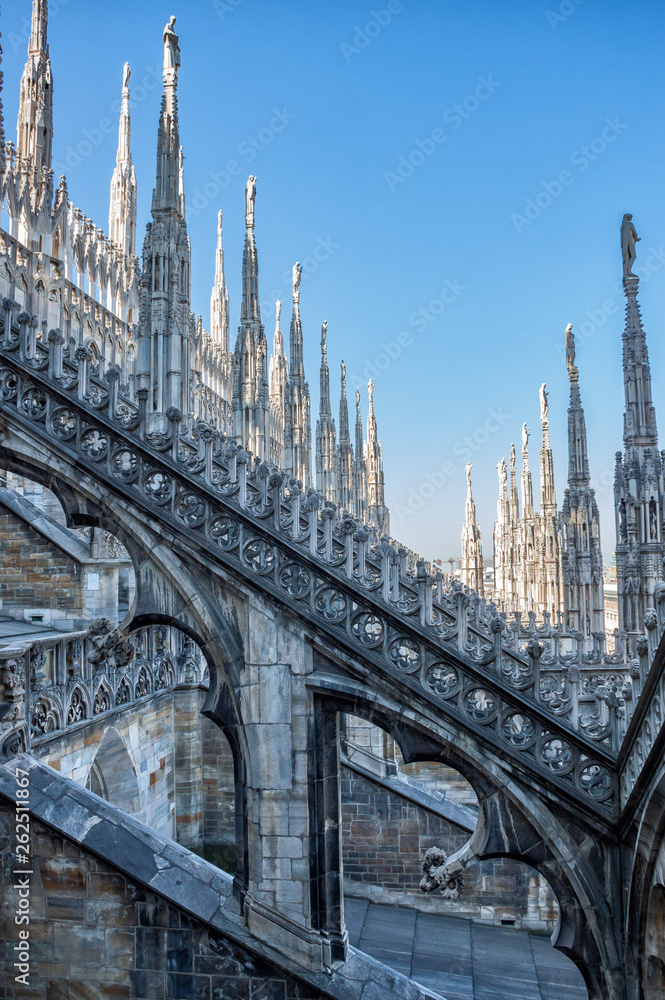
(654, 945)
(517, 825)
(645, 851)
(113, 770)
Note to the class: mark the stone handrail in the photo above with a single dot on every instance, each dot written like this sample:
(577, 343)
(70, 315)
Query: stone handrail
(51, 684)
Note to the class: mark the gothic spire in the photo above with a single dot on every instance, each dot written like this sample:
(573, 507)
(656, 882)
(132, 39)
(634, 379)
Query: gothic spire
(325, 429)
(527, 486)
(371, 418)
(34, 128)
(344, 436)
(168, 329)
(298, 434)
(514, 496)
(219, 299)
(359, 427)
(168, 193)
(376, 505)
(122, 207)
(581, 557)
(250, 310)
(502, 505)
(578, 462)
(639, 426)
(250, 401)
(345, 491)
(278, 336)
(324, 376)
(639, 491)
(278, 373)
(472, 559)
(360, 467)
(296, 361)
(547, 492)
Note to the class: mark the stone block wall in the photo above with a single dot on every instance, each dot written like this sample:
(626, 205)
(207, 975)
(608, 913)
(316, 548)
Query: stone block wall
(384, 839)
(35, 573)
(95, 934)
(147, 732)
(180, 762)
(218, 786)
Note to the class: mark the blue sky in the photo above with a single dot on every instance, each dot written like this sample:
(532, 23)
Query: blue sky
(453, 177)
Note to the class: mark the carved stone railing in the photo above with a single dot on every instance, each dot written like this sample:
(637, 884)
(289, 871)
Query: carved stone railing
(645, 735)
(518, 684)
(53, 684)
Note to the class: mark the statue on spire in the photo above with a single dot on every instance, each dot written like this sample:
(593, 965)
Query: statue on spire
(570, 347)
(171, 62)
(324, 331)
(629, 238)
(525, 437)
(297, 276)
(250, 199)
(126, 73)
(467, 472)
(278, 313)
(544, 405)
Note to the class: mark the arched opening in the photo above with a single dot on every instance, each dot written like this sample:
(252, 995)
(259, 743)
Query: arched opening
(654, 946)
(494, 936)
(112, 775)
(218, 841)
(50, 573)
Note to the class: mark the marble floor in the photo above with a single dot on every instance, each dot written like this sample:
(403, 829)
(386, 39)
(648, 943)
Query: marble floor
(461, 960)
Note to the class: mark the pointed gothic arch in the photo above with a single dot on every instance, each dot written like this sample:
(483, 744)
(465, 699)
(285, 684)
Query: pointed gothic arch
(112, 771)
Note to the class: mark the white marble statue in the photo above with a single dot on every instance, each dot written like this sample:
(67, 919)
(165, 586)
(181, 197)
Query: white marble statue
(570, 346)
(629, 238)
(250, 199)
(297, 276)
(525, 436)
(171, 49)
(544, 405)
